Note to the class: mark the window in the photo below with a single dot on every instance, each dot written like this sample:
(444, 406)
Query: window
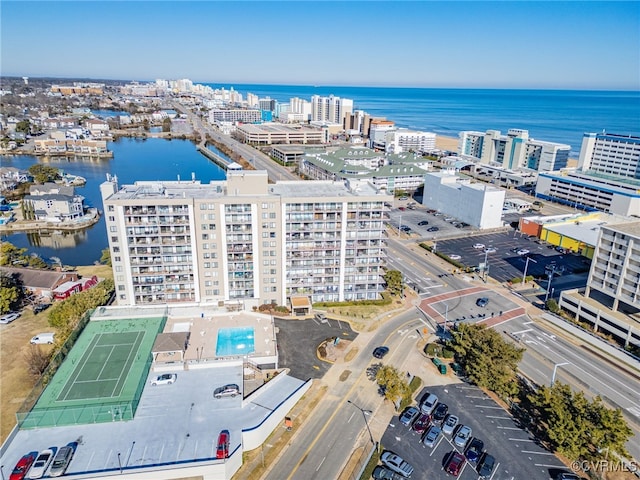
(110, 208)
(112, 218)
(117, 259)
(114, 239)
(121, 288)
(113, 229)
(118, 268)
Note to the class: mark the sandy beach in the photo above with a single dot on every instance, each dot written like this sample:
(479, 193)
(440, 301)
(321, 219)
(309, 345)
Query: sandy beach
(447, 143)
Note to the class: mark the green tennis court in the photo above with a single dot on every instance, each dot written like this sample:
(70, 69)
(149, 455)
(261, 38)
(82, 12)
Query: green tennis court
(103, 376)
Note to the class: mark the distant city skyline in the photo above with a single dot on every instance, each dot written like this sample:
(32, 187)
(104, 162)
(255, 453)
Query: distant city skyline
(545, 45)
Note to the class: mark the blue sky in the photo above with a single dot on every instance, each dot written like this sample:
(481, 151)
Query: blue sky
(582, 45)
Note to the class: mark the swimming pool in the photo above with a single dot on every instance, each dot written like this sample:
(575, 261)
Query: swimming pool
(235, 341)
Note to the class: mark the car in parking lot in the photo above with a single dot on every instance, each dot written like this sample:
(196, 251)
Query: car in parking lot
(522, 251)
(462, 436)
(41, 464)
(449, 425)
(479, 246)
(482, 302)
(432, 436)
(62, 459)
(422, 223)
(409, 415)
(486, 465)
(432, 229)
(428, 405)
(164, 379)
(22, 467)
(9, 317)
(440, 412)
(449, 219)
(40, 307)
(455, 257)
(382, 473)
(405, 229)
(474, 450)
(403, 197)
(397, 464)
(422, 423)
(380, 352)
(454, 464)
(490, 250)
(230, 390)
(222, 451)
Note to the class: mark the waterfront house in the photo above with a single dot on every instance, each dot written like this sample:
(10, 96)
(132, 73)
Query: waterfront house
(40, 283)
(53, 203)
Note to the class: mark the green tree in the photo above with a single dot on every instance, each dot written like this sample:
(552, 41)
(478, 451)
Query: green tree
(66, 314)
(394, 281)
(166, 125)
(394, 383)
(44, 173)
(11, 292)
(23, 126)
(105, 258)
(487, 359)
(11, 255)
(35, 261)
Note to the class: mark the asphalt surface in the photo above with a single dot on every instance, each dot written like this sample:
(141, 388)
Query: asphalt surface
(298, 341)
(515, 450)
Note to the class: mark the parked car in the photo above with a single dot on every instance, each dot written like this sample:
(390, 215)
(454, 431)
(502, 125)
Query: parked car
(380, 352)
(429, 404)
(454, 464)
(486, 465)
(479, 246)
(432, 436)
(474, 450)
(223, 444)
(230, 390)
(462, 436)
(482, 302)
(490, 250)
(440, 412)
(41, 464)
(449, 425)
(165, 379)
(432, 229)
(522, 251)
(409, 415)
(403, 197)
(41, 307)
(9, 317)
(422, 223)
(455, 257)
(382, 473)
(19, 472)
(43, 338)
(62, 459)
(421, 424)
(397, 464)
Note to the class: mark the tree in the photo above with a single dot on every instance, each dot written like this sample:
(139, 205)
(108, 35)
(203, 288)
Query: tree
(66, 314)
(44, 173)
(487, 359)
(11, 255)
(37, 360)
(105, 258)
(394, 384)
(23, 126)
(394, 281)
(166, 125)
(11, 292)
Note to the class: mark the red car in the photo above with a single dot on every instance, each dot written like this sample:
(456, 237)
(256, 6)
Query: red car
(23, 466)
(223, 444)
(422, 423)
(455, 463)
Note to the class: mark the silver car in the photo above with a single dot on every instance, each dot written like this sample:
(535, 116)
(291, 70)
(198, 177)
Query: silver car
(449, 424)
(230, 390)
(432, 436)
(463, 436)
(61, 461)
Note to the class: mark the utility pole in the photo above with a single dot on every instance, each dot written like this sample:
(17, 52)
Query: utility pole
(364, 415)
(524, 275)
(550, 277)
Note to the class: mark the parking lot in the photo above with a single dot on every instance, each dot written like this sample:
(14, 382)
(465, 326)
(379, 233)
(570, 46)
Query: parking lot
(515, 451)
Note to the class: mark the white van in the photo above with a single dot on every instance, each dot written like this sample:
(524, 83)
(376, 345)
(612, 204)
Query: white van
(43, 338)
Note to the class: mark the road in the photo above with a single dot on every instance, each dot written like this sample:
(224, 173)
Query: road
(258, 160)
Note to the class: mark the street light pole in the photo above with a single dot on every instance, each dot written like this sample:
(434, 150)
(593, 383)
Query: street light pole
(555, 369)
(550, 275)
(486, 266)
(364, 415)
(524, 276)
(446, 315)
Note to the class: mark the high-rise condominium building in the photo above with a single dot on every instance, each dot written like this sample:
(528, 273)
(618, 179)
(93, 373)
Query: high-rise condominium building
(610, 154)
(330, 109)
(244, 240)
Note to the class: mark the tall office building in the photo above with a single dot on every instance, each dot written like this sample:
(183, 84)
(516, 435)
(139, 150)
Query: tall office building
(330, 109)
(610, 154)
(471, 143)
(244, 240)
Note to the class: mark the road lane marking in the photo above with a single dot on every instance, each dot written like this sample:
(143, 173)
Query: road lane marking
(521, 439)
(537, 453)
(495, 416)
(509, 428)
(323, 459)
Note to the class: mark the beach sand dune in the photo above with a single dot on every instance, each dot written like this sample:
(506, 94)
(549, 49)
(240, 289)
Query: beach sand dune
(447, 143)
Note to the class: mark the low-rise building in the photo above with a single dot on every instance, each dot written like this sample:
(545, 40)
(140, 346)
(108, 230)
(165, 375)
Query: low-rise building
(53, 203)
(273, 133)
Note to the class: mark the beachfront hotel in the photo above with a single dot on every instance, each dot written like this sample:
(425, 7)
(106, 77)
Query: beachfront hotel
(244, 242)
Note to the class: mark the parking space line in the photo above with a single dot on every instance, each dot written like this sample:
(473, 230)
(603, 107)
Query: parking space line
(538, 453)
(549, 466)
(521, 439)
(495, 416)
(509, 428)
(489, 406)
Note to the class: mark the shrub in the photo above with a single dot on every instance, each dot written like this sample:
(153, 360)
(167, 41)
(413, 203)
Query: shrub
(433, 349)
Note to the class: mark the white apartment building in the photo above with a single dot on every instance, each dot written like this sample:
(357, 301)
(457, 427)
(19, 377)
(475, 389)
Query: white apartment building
(477, 204)
(404, 140)
(514, 150)
(611, 300)
(302, 107)
(252, 100)
(274, 133)
(235, 115)
(610, 154)
(378, 130)
(244, 240)
(330, 109)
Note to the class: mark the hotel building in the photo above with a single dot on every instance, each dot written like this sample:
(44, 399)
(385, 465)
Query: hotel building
(244, 241)
(330, 109)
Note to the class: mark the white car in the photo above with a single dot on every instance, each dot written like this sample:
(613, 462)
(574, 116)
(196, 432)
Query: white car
(9, 317)
(522, 251)
(491, 250)
(397, 464)
(479, 246)
(463, 436)
(41, 464)
(455, 257)
(165, 379)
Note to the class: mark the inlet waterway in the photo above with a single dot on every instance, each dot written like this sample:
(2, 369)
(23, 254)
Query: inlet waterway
(134, 159)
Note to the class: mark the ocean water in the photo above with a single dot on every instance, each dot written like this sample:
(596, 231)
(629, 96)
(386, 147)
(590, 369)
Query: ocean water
(133, 160)
(561, 116)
